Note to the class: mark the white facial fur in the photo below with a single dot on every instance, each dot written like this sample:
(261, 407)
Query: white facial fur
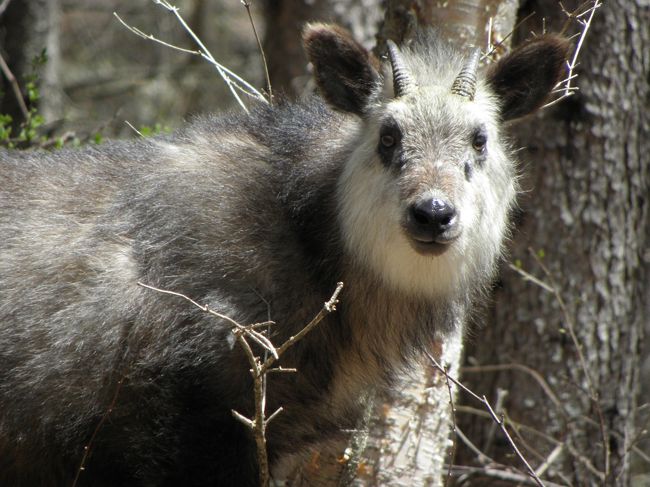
(373, 198)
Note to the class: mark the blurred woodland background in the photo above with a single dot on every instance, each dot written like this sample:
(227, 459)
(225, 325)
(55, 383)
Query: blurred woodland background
(561, 350)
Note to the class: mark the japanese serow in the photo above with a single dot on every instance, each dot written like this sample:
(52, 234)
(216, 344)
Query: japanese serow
(396, 180)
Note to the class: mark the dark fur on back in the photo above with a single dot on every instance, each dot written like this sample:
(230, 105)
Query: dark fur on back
(236, 227)
(80, 228)
(256, 216)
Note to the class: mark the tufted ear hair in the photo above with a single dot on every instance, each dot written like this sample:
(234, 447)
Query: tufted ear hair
(524, 78)
(345, 72)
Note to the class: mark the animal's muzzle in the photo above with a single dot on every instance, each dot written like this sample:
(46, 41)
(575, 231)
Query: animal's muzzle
(432, 224)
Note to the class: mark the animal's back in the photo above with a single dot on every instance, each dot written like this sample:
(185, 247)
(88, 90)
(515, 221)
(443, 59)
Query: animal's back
(210, 212)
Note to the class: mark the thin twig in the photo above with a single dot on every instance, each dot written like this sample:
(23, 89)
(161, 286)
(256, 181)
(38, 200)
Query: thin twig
(88, 447)
(247, 5)
(328, 307)
(130, 125)
(480, 456)
(243, 419)
(581, 458)
(529, 277)
(151, 37)
(533, 373)
(454, 427)
(498, 407)
(201, 307)
(499, 475)
(493, 48)
(233, 81)
(205, 53)
(594, 396)
(259, 371)
(15, 87)
(495, 418)
(565, 85)
(552, 457)
(274, 414)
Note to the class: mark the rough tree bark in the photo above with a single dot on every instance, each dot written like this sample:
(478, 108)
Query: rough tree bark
(587, 212)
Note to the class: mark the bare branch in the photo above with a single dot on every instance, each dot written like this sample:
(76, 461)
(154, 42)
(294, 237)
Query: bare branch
(554, 455)
(495, 418)
(205, 53)
(328, 307)
(492, 48)
(201, 307)
(89, 445)
(533, 373)
(282, 370)
(260, 369)
(481, 457)
(273, 415)
(529, 277)
(14, 85)
(499, 475)
(243, 419)
(151, 37)
(454, 426)
(565, 86)
(233, 81)
(577, 455)
(247, 5)
(130, 125)
(594, 396)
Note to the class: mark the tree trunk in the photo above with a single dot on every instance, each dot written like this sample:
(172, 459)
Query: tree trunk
(28, 28)
(405, 438)
(585, 216)
(285, 20)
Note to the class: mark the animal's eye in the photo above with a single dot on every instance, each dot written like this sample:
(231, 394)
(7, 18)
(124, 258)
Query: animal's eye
(479, 140)
(387, 140)
(390, 137)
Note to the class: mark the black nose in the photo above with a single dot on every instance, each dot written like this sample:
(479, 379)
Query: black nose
(432, 220)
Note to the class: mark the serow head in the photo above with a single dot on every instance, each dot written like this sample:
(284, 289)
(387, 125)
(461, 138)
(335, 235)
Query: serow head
(429, 176)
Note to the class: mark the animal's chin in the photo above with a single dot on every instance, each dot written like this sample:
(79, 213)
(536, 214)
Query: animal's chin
(430, 248)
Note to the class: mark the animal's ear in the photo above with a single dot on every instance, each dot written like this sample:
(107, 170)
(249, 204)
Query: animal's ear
(524, 78)
(346, 73)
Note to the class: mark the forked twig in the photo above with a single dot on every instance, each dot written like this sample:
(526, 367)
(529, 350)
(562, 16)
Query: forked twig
(233, 81)
(565, 87)
(259, 368)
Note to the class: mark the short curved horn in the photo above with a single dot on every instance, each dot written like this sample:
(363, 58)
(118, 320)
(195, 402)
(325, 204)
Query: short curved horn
(403, 83)
(465, 83)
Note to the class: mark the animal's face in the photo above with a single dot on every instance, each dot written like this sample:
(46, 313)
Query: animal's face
(434, 147)
(424, 197)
